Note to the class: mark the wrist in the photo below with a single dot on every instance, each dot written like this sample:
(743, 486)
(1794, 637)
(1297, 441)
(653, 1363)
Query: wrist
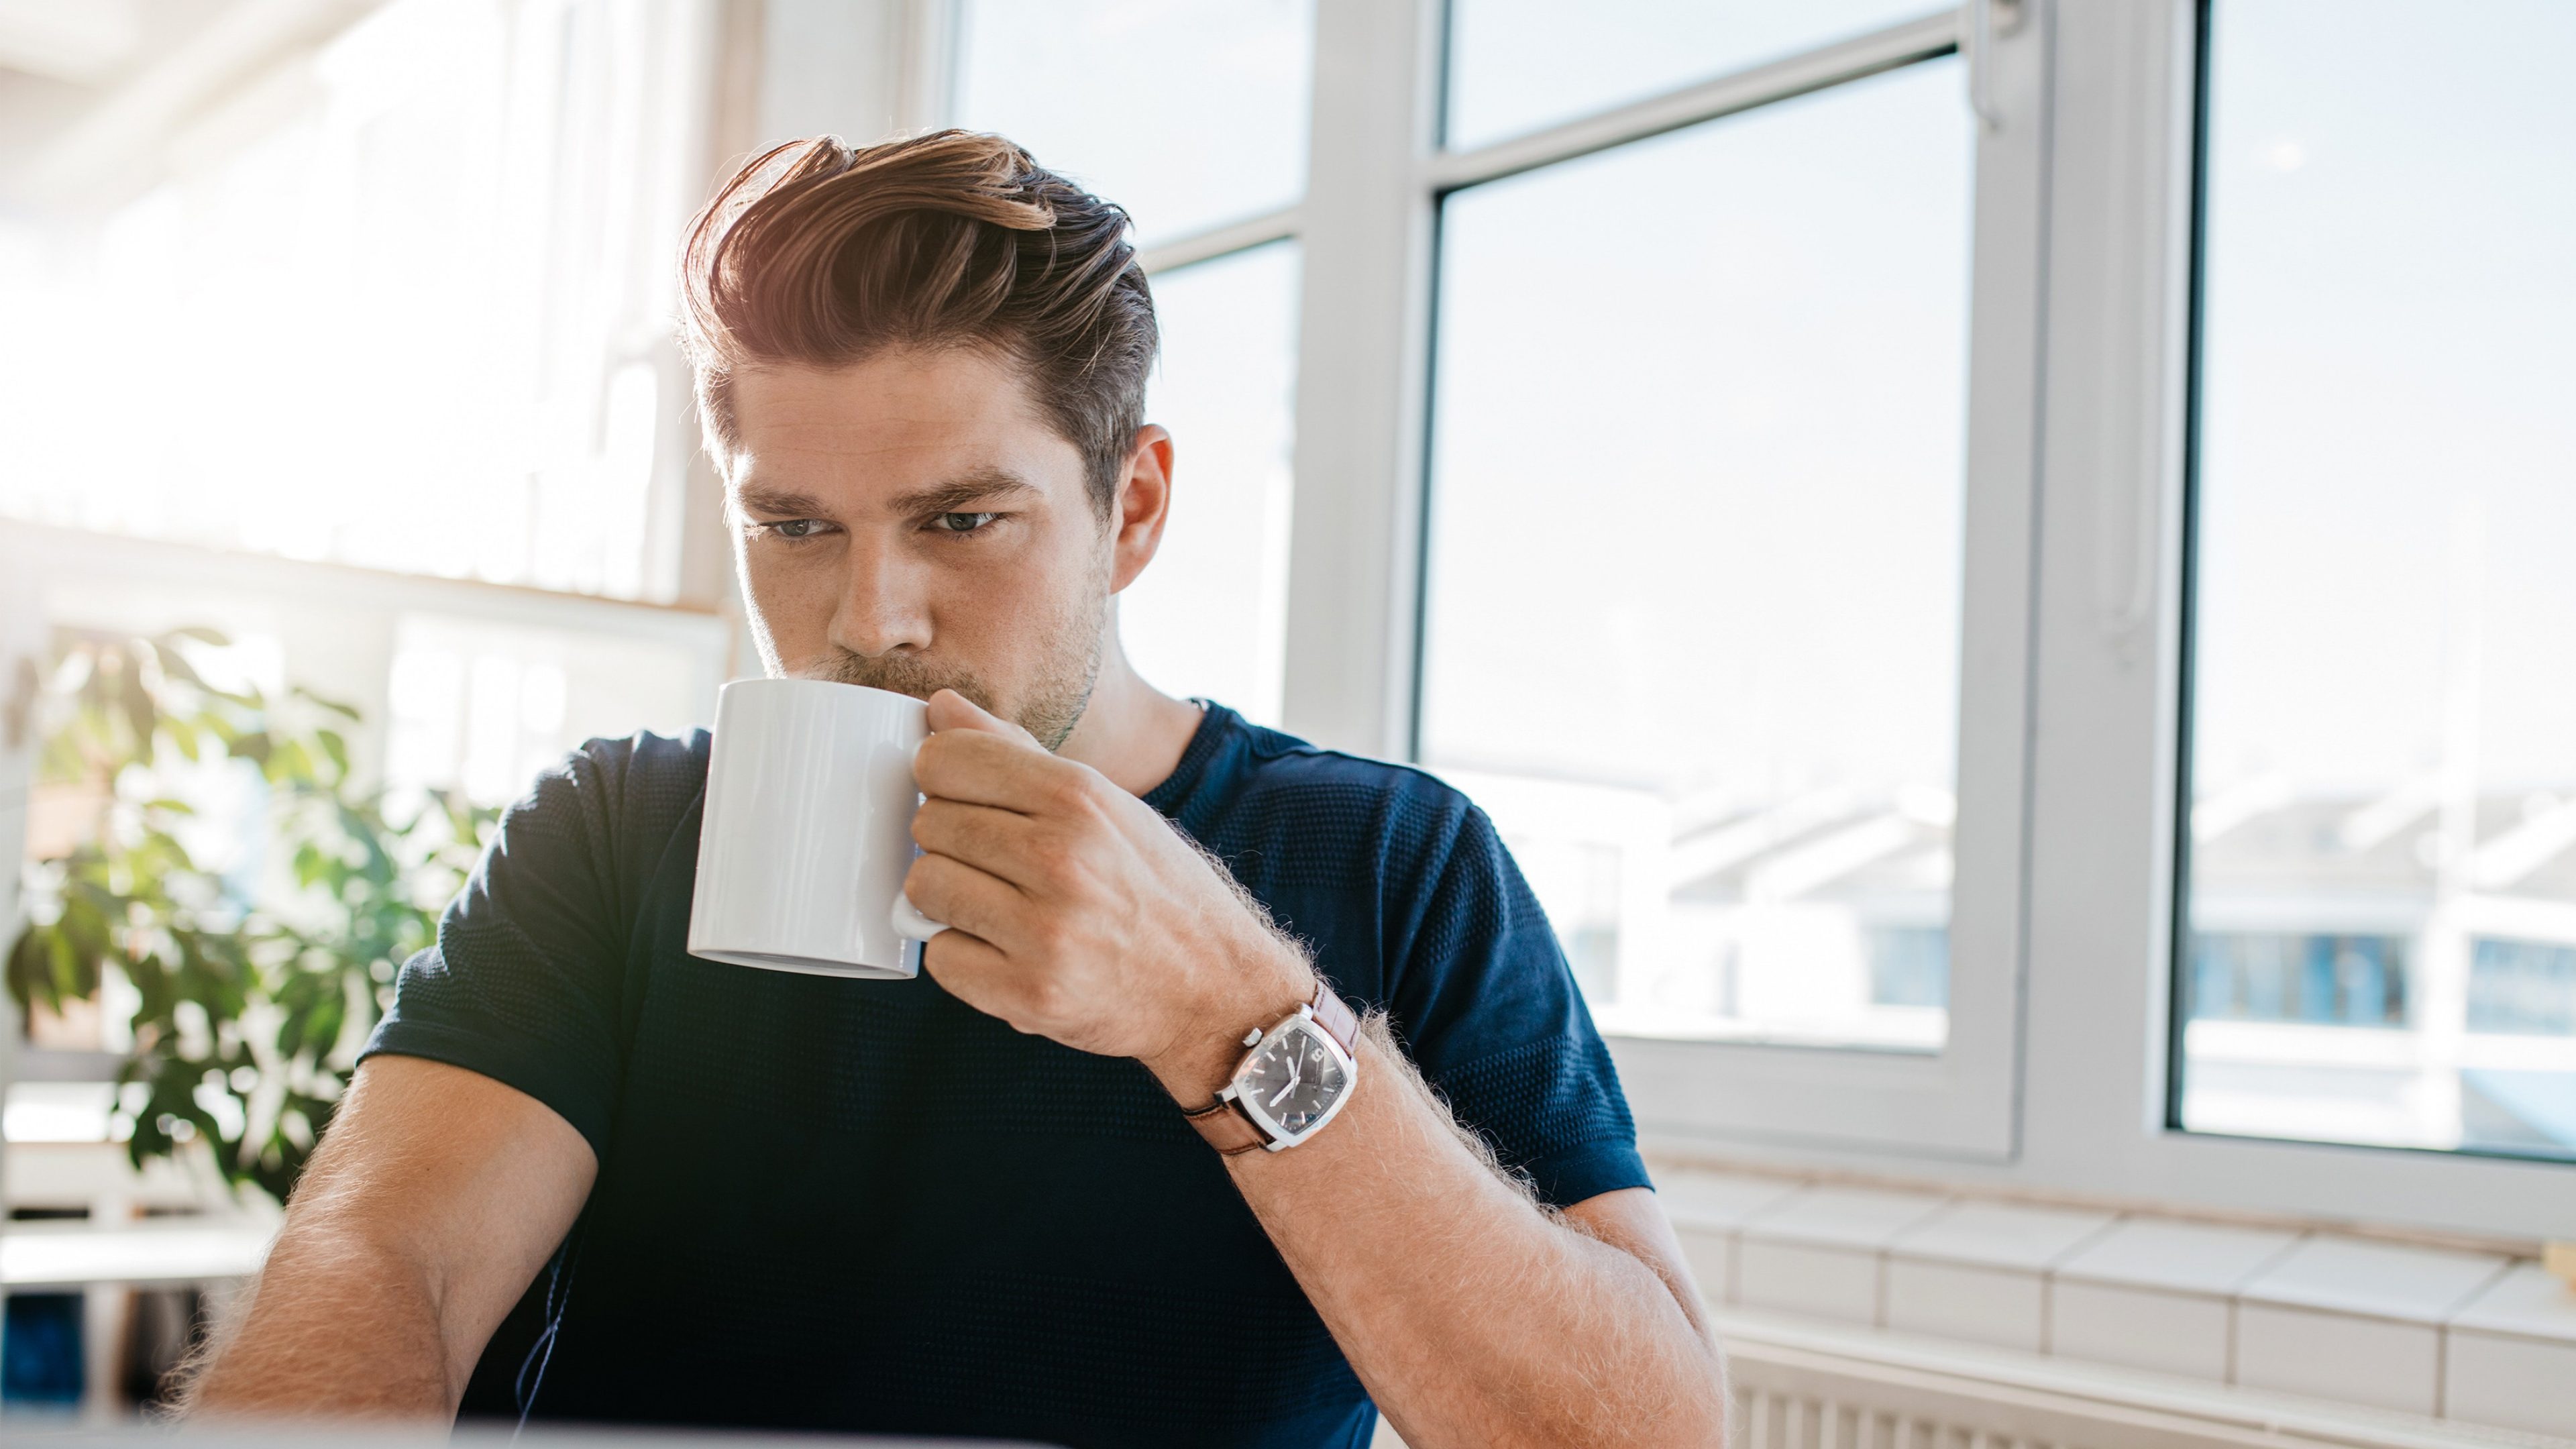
(1269, 986)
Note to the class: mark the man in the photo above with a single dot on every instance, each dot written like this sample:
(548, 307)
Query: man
(581, 1174)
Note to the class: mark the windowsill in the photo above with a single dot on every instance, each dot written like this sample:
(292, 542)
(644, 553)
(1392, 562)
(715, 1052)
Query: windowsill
(2438, 1332)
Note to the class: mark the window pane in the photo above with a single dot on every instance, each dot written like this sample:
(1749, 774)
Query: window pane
(1693, 605)
(2383, 821)
(1209, 616)
(410, 321)
(1518, 65)
(1189, 113)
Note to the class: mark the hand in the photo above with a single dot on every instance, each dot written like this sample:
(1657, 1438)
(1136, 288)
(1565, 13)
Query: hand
(1078, 913)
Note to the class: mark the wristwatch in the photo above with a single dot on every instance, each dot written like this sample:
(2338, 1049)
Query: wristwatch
(1295, 1077)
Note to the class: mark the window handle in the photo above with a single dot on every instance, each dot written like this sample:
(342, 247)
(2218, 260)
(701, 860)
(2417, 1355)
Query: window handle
(1983, 25)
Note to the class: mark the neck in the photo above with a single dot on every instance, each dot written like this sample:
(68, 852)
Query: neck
(1131, 732)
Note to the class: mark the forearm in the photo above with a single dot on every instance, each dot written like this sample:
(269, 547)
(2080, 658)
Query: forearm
(337, 1326)
(1474, 1317)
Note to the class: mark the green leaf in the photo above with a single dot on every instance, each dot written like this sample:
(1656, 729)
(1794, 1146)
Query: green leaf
(142, 712)
(367, 891)
(31, 977)
(174, 663)
(344, 710)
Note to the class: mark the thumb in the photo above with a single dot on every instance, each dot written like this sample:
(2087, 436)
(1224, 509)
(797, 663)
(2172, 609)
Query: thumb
(950, 710)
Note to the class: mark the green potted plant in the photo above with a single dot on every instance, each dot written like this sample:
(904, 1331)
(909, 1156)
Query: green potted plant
(252, 986)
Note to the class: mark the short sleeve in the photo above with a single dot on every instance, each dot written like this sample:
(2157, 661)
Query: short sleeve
(525, 983)
(1491, 1013)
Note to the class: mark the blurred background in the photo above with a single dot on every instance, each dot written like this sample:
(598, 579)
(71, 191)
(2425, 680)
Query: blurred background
(1640, 413)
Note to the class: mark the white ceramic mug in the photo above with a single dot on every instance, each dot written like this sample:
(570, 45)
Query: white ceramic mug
(807, 831)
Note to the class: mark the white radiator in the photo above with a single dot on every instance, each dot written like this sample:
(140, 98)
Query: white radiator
(1800, 1384)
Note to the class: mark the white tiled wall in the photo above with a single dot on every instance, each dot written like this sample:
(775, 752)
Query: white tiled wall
(1982, 1305)
(2518, 1383)
(2174, 1333)
(1820, 1250)
(2468, 1336)
(2510, 1356)
(2339, 1356)
(1837, 1283)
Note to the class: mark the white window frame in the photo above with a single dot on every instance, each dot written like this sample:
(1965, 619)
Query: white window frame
(2055, 1076)
(2105, 767)
(1368, 224)
(2054, 1079)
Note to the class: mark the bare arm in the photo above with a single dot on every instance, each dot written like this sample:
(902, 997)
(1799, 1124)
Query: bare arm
(432, 1203)
(1474, 1316)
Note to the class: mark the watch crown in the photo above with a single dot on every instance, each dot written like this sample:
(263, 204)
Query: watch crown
(1252, 1037)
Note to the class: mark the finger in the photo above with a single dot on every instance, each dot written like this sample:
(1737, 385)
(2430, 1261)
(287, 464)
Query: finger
(998, 842)
(977, 768)
(950, 710)
(958, 895)
(971, 970)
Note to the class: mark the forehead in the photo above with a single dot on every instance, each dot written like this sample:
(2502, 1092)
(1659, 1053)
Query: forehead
(897, 417)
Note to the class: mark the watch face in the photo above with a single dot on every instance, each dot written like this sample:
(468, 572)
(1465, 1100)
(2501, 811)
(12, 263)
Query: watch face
(1293, 1079)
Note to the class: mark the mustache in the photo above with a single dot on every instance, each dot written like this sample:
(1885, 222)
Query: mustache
(900, 674)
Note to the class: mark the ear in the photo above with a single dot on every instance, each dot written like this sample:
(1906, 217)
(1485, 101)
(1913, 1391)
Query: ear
(1143, 505)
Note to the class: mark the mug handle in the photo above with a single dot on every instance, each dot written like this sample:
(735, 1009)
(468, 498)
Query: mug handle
(910, 923)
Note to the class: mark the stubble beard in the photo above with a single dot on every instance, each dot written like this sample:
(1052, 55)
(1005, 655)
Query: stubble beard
(1072, 637)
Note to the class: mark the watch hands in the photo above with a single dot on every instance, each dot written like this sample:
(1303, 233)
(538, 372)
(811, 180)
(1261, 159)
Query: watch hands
(1294, 1075)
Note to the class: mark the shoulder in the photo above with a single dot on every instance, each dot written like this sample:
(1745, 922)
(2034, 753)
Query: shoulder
(641, 765)
(1286, 811)
(1338, 794)
(618, 799)
(637, 769)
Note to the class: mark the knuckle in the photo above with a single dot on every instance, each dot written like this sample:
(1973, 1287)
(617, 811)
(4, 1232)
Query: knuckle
(1070, 791)
(1048, 999)
(921, 877)
(1057, 873)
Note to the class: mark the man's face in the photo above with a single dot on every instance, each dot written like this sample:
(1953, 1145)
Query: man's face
(913, 522)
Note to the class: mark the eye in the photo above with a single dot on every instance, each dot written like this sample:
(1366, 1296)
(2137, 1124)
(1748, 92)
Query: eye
(962, 522)
(797, 527)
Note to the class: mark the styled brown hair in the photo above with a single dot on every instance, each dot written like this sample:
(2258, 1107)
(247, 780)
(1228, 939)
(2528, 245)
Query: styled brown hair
(820, 254)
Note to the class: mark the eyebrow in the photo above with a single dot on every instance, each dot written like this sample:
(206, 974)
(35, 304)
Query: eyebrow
(978, 485)
(780, 502)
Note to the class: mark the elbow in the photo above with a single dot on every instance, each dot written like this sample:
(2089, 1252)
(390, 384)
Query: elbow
(1694, 1408)
(1698, 1420)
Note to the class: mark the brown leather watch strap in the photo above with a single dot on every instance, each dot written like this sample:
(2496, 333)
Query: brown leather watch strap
(1226, 1129)
(1337, 1019)
(1225, 1126)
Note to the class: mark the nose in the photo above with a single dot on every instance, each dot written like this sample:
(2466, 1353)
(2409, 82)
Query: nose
(882, 607)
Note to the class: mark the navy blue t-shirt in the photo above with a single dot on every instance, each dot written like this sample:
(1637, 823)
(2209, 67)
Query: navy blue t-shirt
(866, 1206)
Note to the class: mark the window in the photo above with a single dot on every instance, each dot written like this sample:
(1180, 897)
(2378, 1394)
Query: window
(2380, 939)
(1193, 115)
(466, 212)
(1517, 65)
(482, 706)
(1751, 448)
(1189, 113)
(1711, 520)
(1733, 841)
(1209, 617)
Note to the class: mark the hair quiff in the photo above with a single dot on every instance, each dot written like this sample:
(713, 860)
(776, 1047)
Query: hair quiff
(821, 254)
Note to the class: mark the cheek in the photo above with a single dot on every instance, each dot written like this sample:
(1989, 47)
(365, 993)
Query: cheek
(1022, 584)
(790, 600)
